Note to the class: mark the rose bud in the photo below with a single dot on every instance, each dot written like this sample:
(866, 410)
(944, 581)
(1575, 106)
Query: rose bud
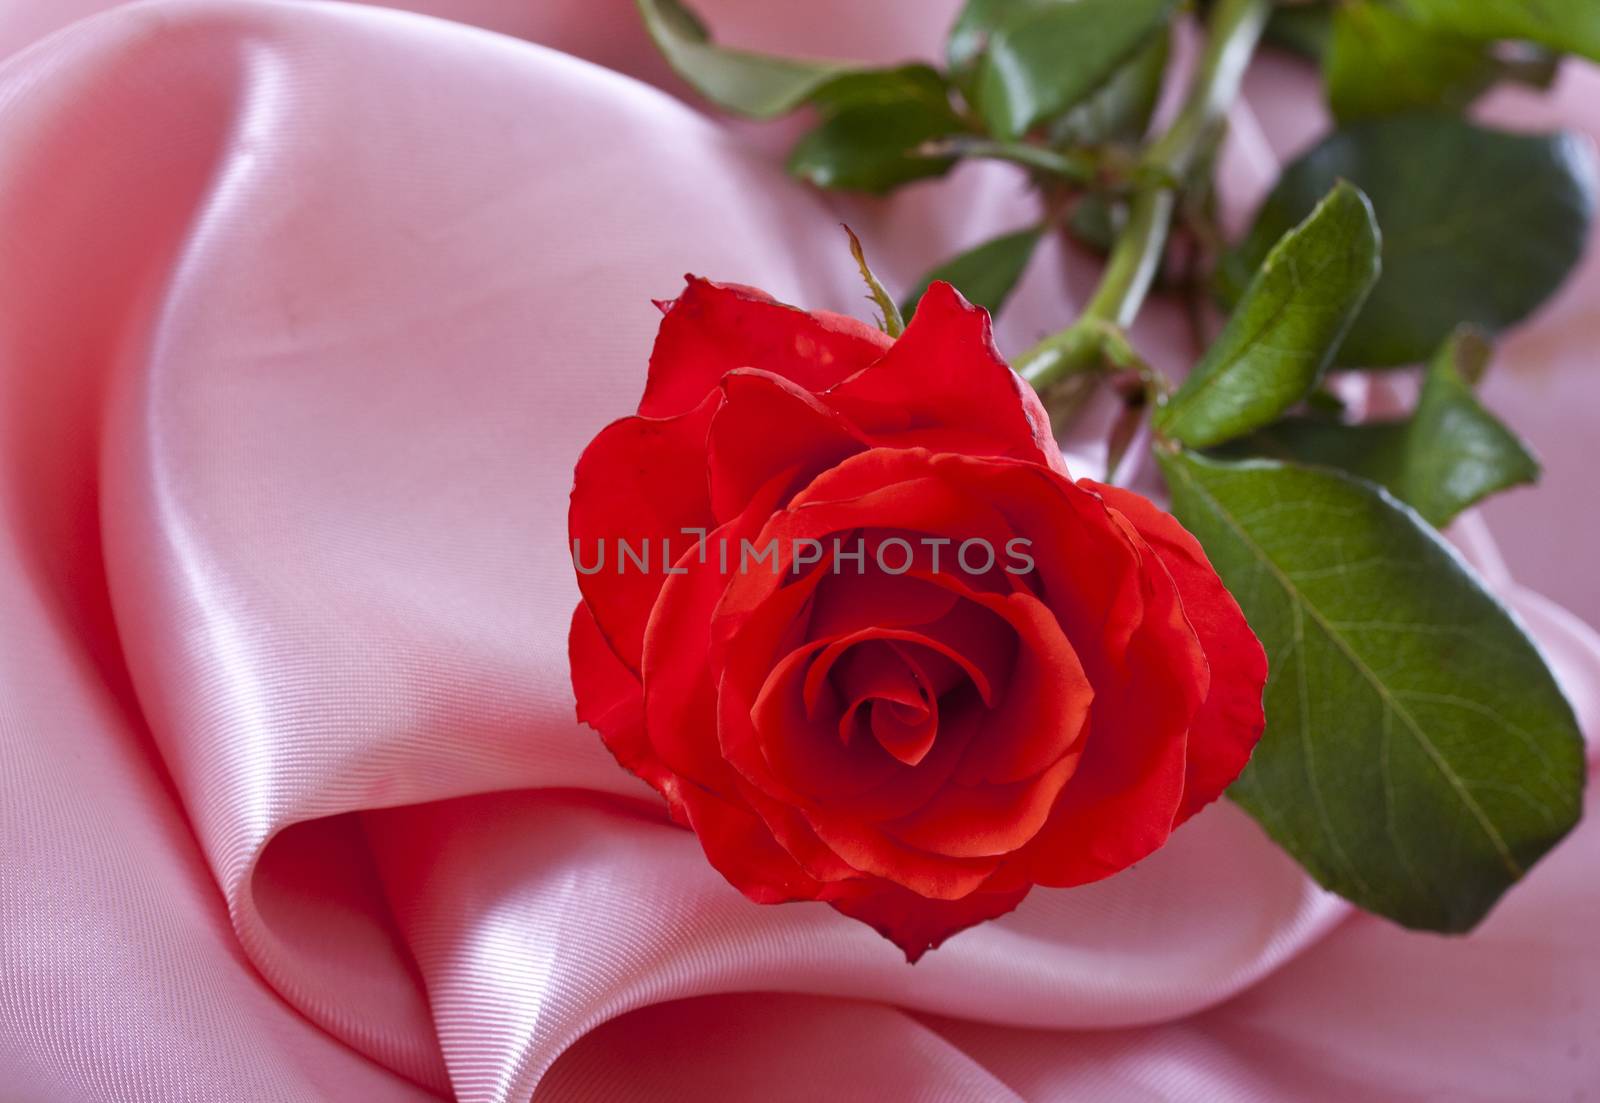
(911, 668)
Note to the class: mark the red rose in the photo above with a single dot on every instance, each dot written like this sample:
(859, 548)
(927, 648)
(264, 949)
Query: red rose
(912, 669)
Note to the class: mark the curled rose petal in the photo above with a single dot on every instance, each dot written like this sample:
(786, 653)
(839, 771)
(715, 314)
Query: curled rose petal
(638, 486)
(679, 690)
(1231, 719)
(611, 701)
(1125, 796)
(715, 328)
(944, 385)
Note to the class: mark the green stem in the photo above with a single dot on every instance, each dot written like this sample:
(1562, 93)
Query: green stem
(1074, 168)
(1235, 29)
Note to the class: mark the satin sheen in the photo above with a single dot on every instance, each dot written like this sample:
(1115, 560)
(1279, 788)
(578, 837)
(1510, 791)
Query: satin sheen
(306, 311)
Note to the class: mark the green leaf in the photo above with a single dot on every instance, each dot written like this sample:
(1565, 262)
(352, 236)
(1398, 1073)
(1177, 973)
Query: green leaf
(977, 23)
(1286, 327)
(1570, 26)
(1046, 59)
(1118, 111)
(1381, 62)
(1419, 756)
(985, 274)
(1121, 110)
(1303, 28)
(866, 87)
(758, 85)
(873, 130)
(1481, 226)
(1448, 455)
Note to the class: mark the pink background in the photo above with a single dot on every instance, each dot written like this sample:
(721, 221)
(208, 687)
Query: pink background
(305, 312)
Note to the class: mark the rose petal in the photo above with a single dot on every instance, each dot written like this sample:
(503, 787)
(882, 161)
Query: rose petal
(680, 707)
(848, 601)
(879, 487)
(917, 645)
(1121, 803)
(641, 481)
(738, 844)
(915, 923)
(875, 678)
(866, 847)
(944, 375)
(611, 701)
(803, 751)
(906, 734)
(769, 427)
(936, 668)
(794, 834)
(871, 787)
(712, 329)
(1230, 722)
(785, 752)
(986, 820)
(1085, 567)
(1040, 707)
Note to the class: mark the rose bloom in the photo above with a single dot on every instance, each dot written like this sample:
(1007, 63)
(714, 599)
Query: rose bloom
(916, 737)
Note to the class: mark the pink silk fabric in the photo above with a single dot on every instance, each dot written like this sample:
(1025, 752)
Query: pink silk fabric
(305, 313)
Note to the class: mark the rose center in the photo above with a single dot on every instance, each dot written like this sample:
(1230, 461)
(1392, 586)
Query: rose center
(889, 698)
